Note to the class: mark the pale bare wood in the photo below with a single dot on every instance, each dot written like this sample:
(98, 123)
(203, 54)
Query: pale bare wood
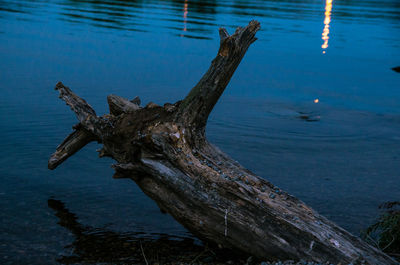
(119, 105)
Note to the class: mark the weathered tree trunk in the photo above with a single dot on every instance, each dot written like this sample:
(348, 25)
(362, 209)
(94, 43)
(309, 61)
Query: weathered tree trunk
(165, 151)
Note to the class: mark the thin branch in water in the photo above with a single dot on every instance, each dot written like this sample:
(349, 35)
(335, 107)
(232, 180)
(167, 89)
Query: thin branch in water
(226, 222)
(198, 256)
(388, 245)
(373, 241)
(144, 256)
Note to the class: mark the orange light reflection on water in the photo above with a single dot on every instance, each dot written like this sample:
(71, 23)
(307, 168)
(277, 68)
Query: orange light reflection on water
(327, 21)
(185, 12)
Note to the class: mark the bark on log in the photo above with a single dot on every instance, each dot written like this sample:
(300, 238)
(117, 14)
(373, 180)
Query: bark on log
(165, 151)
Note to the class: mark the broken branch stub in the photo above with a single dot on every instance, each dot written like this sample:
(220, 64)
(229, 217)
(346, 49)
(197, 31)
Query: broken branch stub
(72, 144)
(198, 104)
(165, 151)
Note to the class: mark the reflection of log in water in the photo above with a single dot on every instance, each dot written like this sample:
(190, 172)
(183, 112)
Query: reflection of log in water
(93, 245)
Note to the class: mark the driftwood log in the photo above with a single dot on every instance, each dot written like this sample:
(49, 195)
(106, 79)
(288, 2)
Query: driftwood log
(165, 151)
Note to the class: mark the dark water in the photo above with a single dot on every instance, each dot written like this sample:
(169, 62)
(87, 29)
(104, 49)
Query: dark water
(340, 155)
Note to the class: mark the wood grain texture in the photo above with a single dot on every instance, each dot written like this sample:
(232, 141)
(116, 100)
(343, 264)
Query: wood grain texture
(165, 151)
(72, 144)
(199, 103)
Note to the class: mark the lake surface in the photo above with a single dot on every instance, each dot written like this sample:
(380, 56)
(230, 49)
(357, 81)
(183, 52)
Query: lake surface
(314, 106)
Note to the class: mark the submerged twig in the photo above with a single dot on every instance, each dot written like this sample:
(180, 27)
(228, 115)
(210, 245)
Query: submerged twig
(144, 256)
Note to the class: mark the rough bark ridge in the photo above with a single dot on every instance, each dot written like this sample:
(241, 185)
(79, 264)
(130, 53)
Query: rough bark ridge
(164, 150)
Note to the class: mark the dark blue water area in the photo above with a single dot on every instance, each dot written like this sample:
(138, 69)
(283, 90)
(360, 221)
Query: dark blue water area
(340, 155)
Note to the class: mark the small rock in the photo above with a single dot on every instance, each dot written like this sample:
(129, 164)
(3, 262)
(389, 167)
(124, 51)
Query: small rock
(272, 196)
